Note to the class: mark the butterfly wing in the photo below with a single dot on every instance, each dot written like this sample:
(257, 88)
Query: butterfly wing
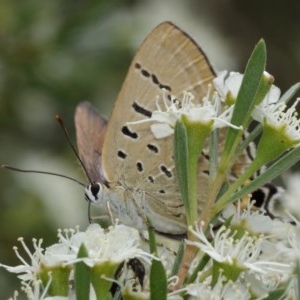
(90, 132)
(168, 59)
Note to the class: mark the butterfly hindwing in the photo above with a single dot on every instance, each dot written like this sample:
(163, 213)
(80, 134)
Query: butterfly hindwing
(90, 133)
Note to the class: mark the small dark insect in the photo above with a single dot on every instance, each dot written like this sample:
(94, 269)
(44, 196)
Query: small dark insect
(133, 271)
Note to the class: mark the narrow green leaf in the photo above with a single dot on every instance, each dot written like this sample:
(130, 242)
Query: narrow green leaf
(290, 93)
(202, 263)
(250, 84)
(158, 277)
(82, 276)
(158, 281)
(276, 294)
(152, 239)
(246, 99)
(181, 163)
(250, 138)
(178, 259)
(276, 169)
(189, 139)
(213, 154)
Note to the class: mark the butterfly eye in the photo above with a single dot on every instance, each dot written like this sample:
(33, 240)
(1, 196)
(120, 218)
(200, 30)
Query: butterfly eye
(93, 191)
(95, 188)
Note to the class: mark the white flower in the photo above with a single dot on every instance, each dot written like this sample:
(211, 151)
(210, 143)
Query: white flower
(244, 251)
(279, 234)
(254, 221)
(207, 111)
(289, 244)
(36, 292)
(223, 289)
(28, 270)
(228, 86)
(278, 116)
(116, 245)
(31, 269)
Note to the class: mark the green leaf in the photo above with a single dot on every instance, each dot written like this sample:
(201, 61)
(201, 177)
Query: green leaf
(82, 276)
(202, 263)
(276, 294)
(213, 154)
(250, 138)
(250, 88)
(189, 139)
(290, 93)
(178, 259)
(158, 281)
(276, 169)
(158, 277)
(152, 239)
(181, 163)
(252, 80)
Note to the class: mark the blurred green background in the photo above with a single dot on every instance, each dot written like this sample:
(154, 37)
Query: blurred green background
(54, 54)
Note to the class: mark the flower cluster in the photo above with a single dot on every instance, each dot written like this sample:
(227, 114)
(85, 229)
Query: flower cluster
(49, 271)
(247, 258)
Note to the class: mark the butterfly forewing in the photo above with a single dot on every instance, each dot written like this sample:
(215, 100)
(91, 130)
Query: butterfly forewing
(167, 60)
(90, 133)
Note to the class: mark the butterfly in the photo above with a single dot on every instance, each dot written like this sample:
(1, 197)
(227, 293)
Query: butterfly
(132, 173)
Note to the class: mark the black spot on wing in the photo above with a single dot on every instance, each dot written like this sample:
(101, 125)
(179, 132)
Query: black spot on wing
(126, 131)
(147, 74)
(122, 154)
(165, 87)
(154, 79)
(139, 166)
(141, 110)
(152, 148)
(151, 179)
(165, 170)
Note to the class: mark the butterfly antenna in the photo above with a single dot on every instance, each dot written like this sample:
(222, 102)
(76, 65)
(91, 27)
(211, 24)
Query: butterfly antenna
(5, 166)
(62, 125)
(89, 212)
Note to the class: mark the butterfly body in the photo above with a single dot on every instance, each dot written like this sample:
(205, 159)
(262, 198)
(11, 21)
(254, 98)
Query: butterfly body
(131, 206)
